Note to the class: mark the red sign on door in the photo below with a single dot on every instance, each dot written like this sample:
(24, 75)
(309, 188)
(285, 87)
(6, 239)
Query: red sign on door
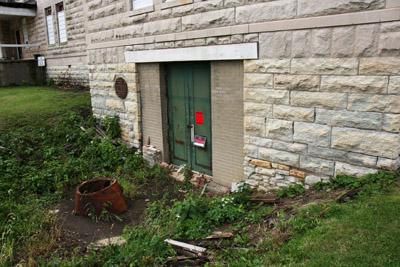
(199, 118)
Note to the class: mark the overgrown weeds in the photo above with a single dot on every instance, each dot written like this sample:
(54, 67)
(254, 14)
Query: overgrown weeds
(369, 184)
(37, 168)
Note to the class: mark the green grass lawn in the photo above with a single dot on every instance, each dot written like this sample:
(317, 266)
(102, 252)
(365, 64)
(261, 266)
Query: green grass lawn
(20, 106)
(364, 233)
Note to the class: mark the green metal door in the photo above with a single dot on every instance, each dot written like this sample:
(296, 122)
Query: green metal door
(189, 113)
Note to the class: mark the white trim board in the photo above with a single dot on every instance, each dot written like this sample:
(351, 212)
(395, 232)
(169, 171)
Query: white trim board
(200, 53)
(21, 12)
(20, 45)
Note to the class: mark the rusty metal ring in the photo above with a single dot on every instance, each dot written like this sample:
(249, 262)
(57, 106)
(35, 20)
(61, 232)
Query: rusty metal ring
(95, 194)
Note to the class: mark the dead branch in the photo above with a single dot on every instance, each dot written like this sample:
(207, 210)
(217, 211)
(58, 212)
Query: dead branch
(323, 212)
(270, 200)
(220, 235)
(349, 195)
(100, 131)
(186, 246)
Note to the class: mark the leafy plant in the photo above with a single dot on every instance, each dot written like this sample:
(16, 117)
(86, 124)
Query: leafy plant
(225, 210)
(187, 177)
(187, 210)
(291, 191)
(243, 239)
(111, 124)
(104, 215)
(50, 82)
(369, 183)
(259, 213)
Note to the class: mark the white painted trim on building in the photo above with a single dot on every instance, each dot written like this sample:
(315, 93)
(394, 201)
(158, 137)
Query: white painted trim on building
(357, 18)
(200, 53)
(19, 45)
(20, 12)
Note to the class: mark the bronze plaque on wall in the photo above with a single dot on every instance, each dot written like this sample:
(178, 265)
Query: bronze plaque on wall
(121, 88)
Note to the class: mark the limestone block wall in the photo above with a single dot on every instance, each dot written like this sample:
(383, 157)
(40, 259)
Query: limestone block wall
(322, 102)
(75, 26)
(180, 23)
(71, 75)
(62, 63)
(105, 102)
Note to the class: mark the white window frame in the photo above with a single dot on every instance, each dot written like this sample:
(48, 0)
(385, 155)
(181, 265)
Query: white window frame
(51, 40)
(62, 24)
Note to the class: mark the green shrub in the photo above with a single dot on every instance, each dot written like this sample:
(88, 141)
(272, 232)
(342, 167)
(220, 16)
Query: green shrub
(369, 183)
(291, 191)
(111, 124)
(50, 82)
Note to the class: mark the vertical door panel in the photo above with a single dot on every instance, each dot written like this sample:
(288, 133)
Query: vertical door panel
(201, 104)
(178, 122)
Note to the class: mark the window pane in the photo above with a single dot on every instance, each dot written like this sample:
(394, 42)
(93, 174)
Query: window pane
(50, 29)
(141, 3)
(62, 30)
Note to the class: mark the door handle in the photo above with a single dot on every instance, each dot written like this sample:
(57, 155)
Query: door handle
(191, 126)
(192, 133)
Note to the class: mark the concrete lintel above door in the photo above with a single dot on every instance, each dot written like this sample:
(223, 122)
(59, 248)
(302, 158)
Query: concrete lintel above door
(200, 53)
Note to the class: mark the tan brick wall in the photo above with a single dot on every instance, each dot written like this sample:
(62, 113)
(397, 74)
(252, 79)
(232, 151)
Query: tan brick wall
(227, 121)
(154, 106)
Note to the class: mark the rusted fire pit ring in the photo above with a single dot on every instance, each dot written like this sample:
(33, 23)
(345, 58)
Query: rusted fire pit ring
(95, 194)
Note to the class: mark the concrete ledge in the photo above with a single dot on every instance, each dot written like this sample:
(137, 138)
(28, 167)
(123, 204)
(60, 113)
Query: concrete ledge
(328, 21)
(202, 53)
(18, 12)
(174, 3)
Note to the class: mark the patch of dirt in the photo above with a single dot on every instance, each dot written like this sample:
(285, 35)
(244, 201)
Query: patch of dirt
(80, 231)
(311, 197)
(86, 230)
